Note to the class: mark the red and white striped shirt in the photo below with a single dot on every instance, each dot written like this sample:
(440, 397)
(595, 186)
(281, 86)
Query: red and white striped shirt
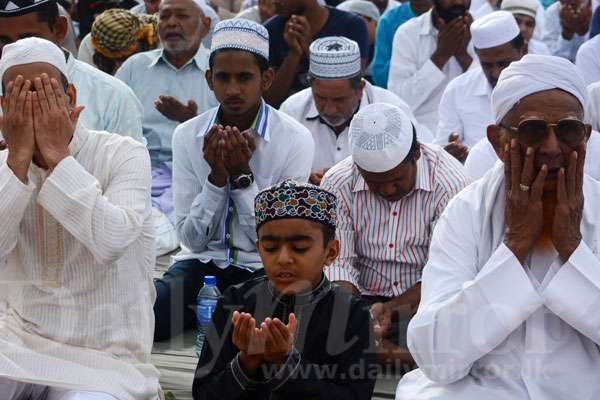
(385, 245)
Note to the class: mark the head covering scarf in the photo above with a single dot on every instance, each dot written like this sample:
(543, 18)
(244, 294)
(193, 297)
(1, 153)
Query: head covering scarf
(533, 74)
(291, 199)
(495, 29)
(334, 57)
(361, 7)
(525, 7)
(32, 50)
(381, 136)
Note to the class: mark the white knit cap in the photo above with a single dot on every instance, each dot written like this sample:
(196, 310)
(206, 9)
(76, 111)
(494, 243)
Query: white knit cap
(32, 50)
(533, 74)
(334, 57)
(525, 7)
(380, 137)
(241, 34)
(361, 7)
(494, 29)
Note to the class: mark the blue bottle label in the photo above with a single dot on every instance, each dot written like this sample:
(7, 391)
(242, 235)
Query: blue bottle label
(205, 311)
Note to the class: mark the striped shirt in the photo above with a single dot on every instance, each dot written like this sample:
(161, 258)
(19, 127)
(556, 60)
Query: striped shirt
(385, 245)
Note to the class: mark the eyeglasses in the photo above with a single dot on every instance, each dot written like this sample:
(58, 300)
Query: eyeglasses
(534, 131)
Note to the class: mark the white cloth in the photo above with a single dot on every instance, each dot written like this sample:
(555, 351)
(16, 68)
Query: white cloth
(486, 327)
(32, 50)
(494, 29)
(334, 57)
(110, 105)
(241, 34)
(86, 50)
(588, 60)
(485, 8)
(593, 115)
(525, 7)
(79, 249)
(538, 47)
(482, 158)
(465, 109)
(12, 390)
(558, 45)
(218, 224)
(329, 147)
(380, 137)
(532, 74)
(413, 76)
(251, 14)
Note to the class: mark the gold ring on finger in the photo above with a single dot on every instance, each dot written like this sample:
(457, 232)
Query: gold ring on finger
(524, 188)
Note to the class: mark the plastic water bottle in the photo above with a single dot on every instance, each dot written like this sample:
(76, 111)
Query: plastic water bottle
(206, 302)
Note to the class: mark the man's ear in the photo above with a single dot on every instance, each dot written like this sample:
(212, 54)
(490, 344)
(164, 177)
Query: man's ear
(333, 251)
(494, 136)
(209, 80)
(267, 79)
(72, 93)
(61, 28)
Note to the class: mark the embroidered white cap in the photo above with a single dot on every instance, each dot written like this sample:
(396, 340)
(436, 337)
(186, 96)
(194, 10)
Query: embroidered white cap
(494, 29)
(241, 34)
(334, 57)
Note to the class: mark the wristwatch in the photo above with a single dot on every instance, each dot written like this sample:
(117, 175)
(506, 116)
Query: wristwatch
(243, 181)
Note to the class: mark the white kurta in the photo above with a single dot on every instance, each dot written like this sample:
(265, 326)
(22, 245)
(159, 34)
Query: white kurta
(538, 47)
(488, 327)
(482, 158)
(76, 280)
(413, 76)
(465, 109)
(588, 60)
(329, 147)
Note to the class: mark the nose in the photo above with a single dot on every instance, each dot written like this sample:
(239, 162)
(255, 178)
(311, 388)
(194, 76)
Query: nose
(550, 148)
(232, 89)
(329, 108)
(284, 257)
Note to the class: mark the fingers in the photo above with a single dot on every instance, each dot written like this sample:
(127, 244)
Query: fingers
(561, 187)
(277, 333)
(453, 137)
(292, 323)
(527, 174)
(20, 106)
(537, 189)
(49, 92)
(14, 93)
(581, 154)
(571, 174)
(507, 171)
(515, 163)
(41, 96)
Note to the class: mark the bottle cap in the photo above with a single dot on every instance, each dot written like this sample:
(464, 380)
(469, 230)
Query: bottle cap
(210, 280)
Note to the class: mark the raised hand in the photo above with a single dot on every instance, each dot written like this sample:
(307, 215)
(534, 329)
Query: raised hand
(524, 209)
(566, 227)
(297, 35)
(568, 21)
(584, 18)
(53, 122)
(213, 147)
(456, 148)
(174, 110)
(382, 319)
(249, 340)
(279, 339)
(17, 126)
(450, 40)
(237, 151)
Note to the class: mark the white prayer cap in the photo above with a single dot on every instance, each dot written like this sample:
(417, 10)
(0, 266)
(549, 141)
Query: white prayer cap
(494, 29)
(525, 7)
(380, 137)
(241, 34)
(334, 57)
(32, 50)
(361, 7)
(532, 74)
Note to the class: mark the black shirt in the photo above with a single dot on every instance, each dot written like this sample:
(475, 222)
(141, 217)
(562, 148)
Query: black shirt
(339, 23)
(333, 356)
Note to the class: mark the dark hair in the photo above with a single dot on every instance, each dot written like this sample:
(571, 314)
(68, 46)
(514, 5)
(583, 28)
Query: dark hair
(410, 157)
(355, 81)
(518, 42)
(328, 234)
(48, 13)
(263, 63)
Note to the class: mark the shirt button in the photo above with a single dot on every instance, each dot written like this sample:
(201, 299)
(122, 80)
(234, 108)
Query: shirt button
(230, 209)
(391, 245)
(395, 213)
(228, 236)
(396, 283)
(339, 149)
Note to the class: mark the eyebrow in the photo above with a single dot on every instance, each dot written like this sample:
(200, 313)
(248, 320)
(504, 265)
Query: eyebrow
(293, 238)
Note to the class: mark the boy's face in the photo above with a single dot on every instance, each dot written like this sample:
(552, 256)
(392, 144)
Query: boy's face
(237, 81)
(293, 253)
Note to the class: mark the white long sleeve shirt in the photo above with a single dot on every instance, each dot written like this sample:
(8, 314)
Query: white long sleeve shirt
(329, 147)
(490, 328)
(588, 60)
(78, 251)
(413, 76)
(465, 109)
(218, 224)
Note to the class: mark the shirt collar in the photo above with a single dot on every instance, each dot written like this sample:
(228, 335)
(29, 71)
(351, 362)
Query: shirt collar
(200, 59)
(309, 297)
(80, 136)
(482, 86)
(260, 126)
(427, 27)
(422, 181)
